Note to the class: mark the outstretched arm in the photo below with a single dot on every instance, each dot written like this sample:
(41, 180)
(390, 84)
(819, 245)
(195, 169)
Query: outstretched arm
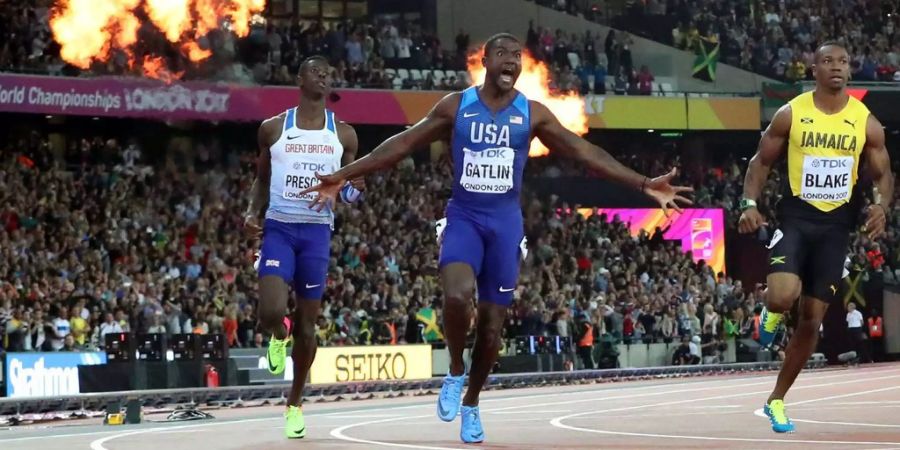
(879, 168)
(436, 125)
(566, 143)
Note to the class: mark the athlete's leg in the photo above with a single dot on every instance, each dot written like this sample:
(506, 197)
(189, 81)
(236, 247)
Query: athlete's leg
(304, 348)
(276, 270)
(462, 251)
(496, 285)
(313, 246)
(491, 318)
(801, 346)
(273, 302)
(782, 290)
(458, 281)
(821, 272)
(787, 256)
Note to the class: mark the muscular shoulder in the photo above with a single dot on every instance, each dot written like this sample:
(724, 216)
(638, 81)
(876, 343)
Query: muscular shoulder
(447, 106)
(539, 112)
(781, 122)
(270, 129)
(346, 134)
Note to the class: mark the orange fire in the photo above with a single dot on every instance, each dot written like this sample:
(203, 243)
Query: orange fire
(155, 67)
(88, 29)
(534, 82)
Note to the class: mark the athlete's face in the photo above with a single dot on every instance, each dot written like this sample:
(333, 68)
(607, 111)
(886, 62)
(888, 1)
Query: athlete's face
(503, 63)
(315, 78)
(832, 67)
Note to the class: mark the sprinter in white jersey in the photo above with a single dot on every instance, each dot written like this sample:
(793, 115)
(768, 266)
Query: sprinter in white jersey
(293, 147)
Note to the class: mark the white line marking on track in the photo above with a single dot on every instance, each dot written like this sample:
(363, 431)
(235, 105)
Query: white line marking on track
(883, 402)
(339, 432)
(557, 422)
(98, 444)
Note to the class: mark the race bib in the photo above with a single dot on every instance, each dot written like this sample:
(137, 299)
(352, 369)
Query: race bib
(826, 178)
(489, 171)
(295, 182)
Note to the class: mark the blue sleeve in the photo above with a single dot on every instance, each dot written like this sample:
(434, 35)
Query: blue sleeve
(350, 194)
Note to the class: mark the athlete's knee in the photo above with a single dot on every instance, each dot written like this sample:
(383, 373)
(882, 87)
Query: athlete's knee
(458, 297)
(781, 296)
(305, 330)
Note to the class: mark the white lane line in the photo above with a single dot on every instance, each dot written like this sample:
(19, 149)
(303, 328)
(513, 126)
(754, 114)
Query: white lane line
(531, 411)
(882, 402)
(98, 444)
(340, 432)
(557, 422)
(608, 387)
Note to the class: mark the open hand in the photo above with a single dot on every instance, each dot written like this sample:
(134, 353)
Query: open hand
(328, 189)
(661, 190)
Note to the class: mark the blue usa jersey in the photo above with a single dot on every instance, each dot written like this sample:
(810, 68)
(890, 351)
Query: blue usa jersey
(489, 153)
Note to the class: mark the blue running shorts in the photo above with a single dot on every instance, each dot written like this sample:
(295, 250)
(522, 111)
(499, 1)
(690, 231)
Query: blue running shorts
(492, 243)
(298, 253)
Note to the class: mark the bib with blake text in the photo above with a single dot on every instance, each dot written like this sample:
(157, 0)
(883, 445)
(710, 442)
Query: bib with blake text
(826, 178)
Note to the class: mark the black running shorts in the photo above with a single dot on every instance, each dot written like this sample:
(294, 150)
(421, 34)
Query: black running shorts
(814, 251)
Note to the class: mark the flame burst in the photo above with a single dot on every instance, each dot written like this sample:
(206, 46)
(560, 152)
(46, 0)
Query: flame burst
(87, 30)
(534, 82)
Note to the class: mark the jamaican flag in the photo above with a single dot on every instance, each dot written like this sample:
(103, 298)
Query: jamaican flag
(431, 331)
(707, 57)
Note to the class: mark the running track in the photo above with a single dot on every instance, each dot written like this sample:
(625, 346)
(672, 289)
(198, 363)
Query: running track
(834, 409)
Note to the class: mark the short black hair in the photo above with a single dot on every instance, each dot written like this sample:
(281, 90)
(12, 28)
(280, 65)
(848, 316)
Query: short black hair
(310, 60)
(492, 41)
(827, 44)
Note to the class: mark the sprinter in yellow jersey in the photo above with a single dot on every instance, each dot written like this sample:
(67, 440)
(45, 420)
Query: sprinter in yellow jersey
(825, 133)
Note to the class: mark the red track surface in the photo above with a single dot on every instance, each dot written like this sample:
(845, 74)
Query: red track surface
(837, 409)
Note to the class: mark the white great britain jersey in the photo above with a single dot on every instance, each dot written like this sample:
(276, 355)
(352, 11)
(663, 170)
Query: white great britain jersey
(296, 157)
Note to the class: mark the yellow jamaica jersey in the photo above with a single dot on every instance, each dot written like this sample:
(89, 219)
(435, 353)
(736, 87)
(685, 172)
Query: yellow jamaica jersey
(823, 158)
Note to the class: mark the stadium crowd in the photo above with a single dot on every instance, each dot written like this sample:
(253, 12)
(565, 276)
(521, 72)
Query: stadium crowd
(778, 39)
(364, 54)
(106, 242)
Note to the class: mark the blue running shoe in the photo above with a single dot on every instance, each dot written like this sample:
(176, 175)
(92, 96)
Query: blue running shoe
(471, 431)
(450, 398)
(775, 412)
(768, 326)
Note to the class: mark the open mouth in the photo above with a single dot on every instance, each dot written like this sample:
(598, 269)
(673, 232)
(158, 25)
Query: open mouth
(507, 75)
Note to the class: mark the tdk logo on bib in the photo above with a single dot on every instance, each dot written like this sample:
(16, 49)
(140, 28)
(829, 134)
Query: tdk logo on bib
(830, 163)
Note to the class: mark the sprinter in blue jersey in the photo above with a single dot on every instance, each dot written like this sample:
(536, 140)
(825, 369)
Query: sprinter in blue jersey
(293, 147)
(491, 127)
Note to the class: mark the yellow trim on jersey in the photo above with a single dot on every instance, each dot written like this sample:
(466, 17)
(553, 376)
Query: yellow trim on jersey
(824, 151)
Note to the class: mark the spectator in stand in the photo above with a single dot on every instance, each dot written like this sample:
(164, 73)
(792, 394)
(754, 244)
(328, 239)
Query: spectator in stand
(645, 81)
